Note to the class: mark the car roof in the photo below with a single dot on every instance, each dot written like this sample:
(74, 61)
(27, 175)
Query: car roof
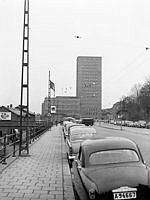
(76, 125)
(108, 143)
(83, 129)
(86, 118)
(69, 124)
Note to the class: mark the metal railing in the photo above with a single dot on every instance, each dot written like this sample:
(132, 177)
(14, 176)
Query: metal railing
(9, 143)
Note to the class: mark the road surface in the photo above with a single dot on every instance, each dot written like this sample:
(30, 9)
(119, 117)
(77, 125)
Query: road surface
(140, 136)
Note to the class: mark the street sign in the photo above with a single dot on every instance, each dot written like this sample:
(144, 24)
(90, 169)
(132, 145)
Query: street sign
(5, 115)
(53, 109)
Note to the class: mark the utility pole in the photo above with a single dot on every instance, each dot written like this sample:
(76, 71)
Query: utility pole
(24, 101)
(121, 114)
(49, 101)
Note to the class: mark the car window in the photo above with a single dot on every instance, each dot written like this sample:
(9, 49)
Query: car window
(113, 156)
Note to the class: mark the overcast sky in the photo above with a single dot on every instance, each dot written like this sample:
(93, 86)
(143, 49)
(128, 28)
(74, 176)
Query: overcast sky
(116, 30)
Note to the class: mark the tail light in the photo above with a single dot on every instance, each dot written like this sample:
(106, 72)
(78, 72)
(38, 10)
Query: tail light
(92, 193)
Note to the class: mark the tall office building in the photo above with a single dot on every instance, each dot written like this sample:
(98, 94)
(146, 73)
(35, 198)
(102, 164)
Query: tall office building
(89, 85)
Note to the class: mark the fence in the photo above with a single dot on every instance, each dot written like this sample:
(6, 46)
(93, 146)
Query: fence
(9, 143)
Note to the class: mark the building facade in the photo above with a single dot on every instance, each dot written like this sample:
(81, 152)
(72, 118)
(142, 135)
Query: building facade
(10, 119)
(89, 85)
(64, 106)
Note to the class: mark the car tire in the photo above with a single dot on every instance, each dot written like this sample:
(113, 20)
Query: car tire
(70, 163)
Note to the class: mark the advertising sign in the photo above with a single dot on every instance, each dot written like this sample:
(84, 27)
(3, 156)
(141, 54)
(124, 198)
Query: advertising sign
(53, 109)
(5, 115)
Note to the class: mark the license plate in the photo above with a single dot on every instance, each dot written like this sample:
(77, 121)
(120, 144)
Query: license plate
(125, 195)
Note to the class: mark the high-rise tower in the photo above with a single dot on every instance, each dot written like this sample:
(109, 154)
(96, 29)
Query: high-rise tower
(89, 85)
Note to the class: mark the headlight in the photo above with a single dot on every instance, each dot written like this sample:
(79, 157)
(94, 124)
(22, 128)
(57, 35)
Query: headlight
(92, 191)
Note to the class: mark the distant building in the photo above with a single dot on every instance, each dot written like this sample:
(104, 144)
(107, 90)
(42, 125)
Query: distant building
(10, 119)
(89, 85)
(62, 106)
(87, 102)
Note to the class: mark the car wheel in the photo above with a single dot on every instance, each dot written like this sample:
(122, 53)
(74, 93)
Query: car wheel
(70, 163)
(67, 156)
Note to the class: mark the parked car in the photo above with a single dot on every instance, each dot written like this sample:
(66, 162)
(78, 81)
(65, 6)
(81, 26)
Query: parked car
(66, 127)
(148, 125)
(135, 124)
(119, 122)
(74, 126)
(87, 121)
(110, 169)
(111, 121)
(76, 136)
(141, 124)
(129, 123)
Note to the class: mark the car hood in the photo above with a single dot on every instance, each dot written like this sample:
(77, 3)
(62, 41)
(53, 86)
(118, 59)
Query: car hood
(109, 178)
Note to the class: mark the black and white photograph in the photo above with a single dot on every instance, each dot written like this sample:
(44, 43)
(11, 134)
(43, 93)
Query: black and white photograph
(74, 100)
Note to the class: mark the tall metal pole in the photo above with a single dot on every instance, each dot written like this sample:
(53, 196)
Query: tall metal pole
(49, 101)
(24, 106)
(27, 29)
(121, 114)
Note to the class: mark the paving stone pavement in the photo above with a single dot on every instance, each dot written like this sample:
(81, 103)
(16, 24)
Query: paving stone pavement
(43, 175)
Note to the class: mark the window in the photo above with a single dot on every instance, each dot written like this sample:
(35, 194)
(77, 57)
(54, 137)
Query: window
(113, 157)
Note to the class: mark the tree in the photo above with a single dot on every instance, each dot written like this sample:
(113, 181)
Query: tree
(144, 99)
(135, 90)
(131, 108)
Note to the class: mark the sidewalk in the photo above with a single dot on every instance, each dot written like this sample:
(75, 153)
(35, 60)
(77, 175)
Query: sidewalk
(44, 175)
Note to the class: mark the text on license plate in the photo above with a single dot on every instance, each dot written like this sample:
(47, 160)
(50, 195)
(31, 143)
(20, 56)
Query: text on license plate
(125, 195)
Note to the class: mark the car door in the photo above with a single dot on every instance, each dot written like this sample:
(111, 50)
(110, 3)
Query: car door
(79, 187)
(68, 147)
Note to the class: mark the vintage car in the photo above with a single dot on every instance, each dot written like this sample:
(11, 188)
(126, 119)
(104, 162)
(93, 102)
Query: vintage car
(74, 126)
(76, 136)
(87, 121)
(65, 128)
(68, 127)
(110, 169)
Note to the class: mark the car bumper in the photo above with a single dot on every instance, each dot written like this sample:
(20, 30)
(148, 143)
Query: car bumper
(71, 157)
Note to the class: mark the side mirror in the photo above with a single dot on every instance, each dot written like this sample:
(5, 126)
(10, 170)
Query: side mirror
(79, 167)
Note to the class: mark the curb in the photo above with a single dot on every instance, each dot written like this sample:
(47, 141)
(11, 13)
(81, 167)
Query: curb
(67, 179)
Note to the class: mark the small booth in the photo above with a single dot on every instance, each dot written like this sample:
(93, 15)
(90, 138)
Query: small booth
(10, 119)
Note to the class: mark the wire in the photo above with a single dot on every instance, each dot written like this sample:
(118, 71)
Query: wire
(124, 69)
(127, 67)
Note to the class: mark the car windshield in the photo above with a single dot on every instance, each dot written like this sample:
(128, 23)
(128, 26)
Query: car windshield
(113, 157)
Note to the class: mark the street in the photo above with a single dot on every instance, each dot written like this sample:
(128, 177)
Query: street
(140, 136)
